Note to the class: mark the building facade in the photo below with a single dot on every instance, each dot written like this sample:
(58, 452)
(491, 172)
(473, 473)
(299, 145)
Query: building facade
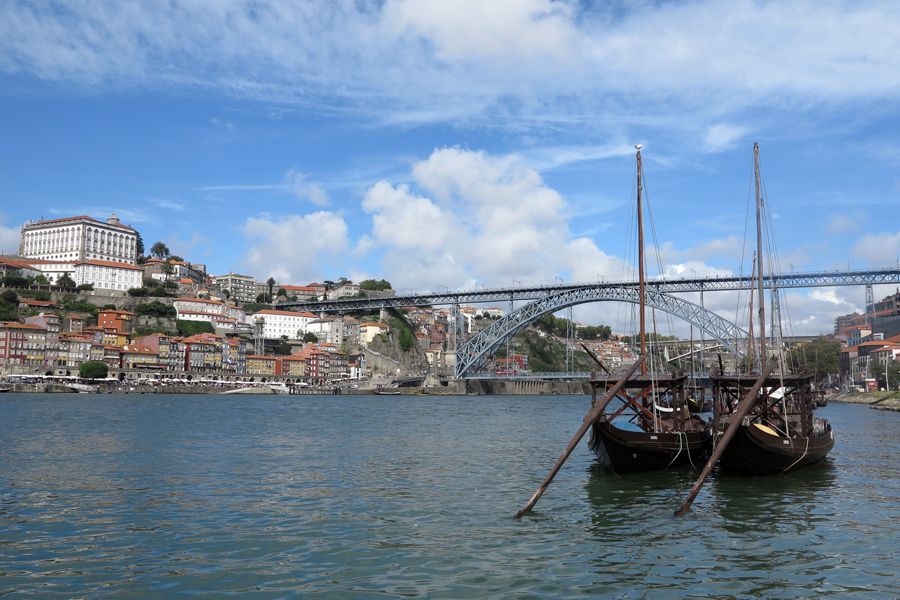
(79, 239)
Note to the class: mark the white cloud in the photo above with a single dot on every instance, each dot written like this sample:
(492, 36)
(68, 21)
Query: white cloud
(9, 236)
(845, 223)
(723, 136)
(294, 248)
(488, 219)
(877, 248)
(417, 60)
(295, 181)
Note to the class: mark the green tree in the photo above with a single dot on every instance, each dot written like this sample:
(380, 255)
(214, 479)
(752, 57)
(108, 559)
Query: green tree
(167, 268)
(821, 356)
(377, 286)
(271, 283)
(283, 348)
(40, 279)
(876, 369)
(189, 328)
(93, 369)
(65, 281)
(310, 337)
(13, 280)
(139, 249)
(85, 287)
(176, 258)
(155, 309)
(9, 303)
(159, 250)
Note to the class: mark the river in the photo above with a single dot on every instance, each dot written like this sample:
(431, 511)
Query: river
(140, 496)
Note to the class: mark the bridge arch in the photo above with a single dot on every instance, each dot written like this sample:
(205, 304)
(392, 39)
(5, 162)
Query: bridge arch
(473, 354)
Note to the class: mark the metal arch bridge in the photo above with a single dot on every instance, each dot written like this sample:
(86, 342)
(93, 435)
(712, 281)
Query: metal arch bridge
(670, 286)
(472, 355)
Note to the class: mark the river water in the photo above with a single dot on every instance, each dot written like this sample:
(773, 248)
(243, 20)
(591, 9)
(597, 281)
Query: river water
(146, 496)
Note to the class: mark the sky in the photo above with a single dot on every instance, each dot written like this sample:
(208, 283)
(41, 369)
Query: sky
(467, 143)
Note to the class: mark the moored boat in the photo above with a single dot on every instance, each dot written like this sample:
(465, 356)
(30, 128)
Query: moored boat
(661, 432)
(779, 433)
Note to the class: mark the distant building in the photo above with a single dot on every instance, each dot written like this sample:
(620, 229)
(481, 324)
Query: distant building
(79, 239)
(241, 288)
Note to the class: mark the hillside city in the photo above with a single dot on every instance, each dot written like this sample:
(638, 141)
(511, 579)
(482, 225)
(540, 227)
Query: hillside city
(80, 290)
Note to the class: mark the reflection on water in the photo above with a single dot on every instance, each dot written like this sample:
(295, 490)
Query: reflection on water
(351, 497)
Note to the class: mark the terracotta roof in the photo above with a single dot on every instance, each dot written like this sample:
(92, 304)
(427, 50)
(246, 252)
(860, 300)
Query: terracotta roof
(30, 302)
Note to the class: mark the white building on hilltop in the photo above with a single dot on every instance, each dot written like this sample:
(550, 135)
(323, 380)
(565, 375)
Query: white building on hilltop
(79, 239)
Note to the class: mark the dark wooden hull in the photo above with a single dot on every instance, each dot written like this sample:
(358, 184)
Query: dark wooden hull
(752, 451)
(622, 451)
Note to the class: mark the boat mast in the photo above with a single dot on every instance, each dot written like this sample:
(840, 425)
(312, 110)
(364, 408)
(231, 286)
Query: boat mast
(640, 221)
(759, 259)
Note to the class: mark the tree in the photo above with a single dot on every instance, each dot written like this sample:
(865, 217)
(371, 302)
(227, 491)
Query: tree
(189, 328)
(159, 250)
(876, 368)
(175, 258)
(310, 337)
(40, 279)
(378, 286)
(13, 280)
(93, 369)
(9, 302)
(65, 281)
(283, 348)
(821, 356)
(85, 287)
(155, 309)
(139, 249)
(271, 283)
(167, 268)
(282, 292)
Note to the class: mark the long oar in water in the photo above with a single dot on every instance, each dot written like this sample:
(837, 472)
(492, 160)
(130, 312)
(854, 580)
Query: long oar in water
(736, 417)
(589, 420)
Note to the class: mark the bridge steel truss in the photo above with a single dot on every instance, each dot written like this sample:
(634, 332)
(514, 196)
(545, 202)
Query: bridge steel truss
(471, 356)
(672, 286)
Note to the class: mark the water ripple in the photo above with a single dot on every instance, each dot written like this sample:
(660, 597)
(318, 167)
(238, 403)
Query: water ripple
(153, 497)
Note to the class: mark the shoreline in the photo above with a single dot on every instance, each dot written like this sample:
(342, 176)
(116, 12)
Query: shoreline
(889, 401)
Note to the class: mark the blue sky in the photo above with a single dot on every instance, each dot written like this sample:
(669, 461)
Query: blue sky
(459, 143)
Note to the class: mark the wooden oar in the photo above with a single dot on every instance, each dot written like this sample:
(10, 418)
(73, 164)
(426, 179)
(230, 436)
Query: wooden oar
(589, 420)
(736, 417)
(596, 360)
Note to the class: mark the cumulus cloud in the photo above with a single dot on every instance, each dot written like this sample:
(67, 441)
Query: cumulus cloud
(294, 248)
(296, 182)
(480, 218)
(9, 236)
(877, 248)
(845, 223)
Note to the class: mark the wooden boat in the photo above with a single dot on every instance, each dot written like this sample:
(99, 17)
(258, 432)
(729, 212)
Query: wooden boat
(779, 432)
(664, 434)
(660, 439)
